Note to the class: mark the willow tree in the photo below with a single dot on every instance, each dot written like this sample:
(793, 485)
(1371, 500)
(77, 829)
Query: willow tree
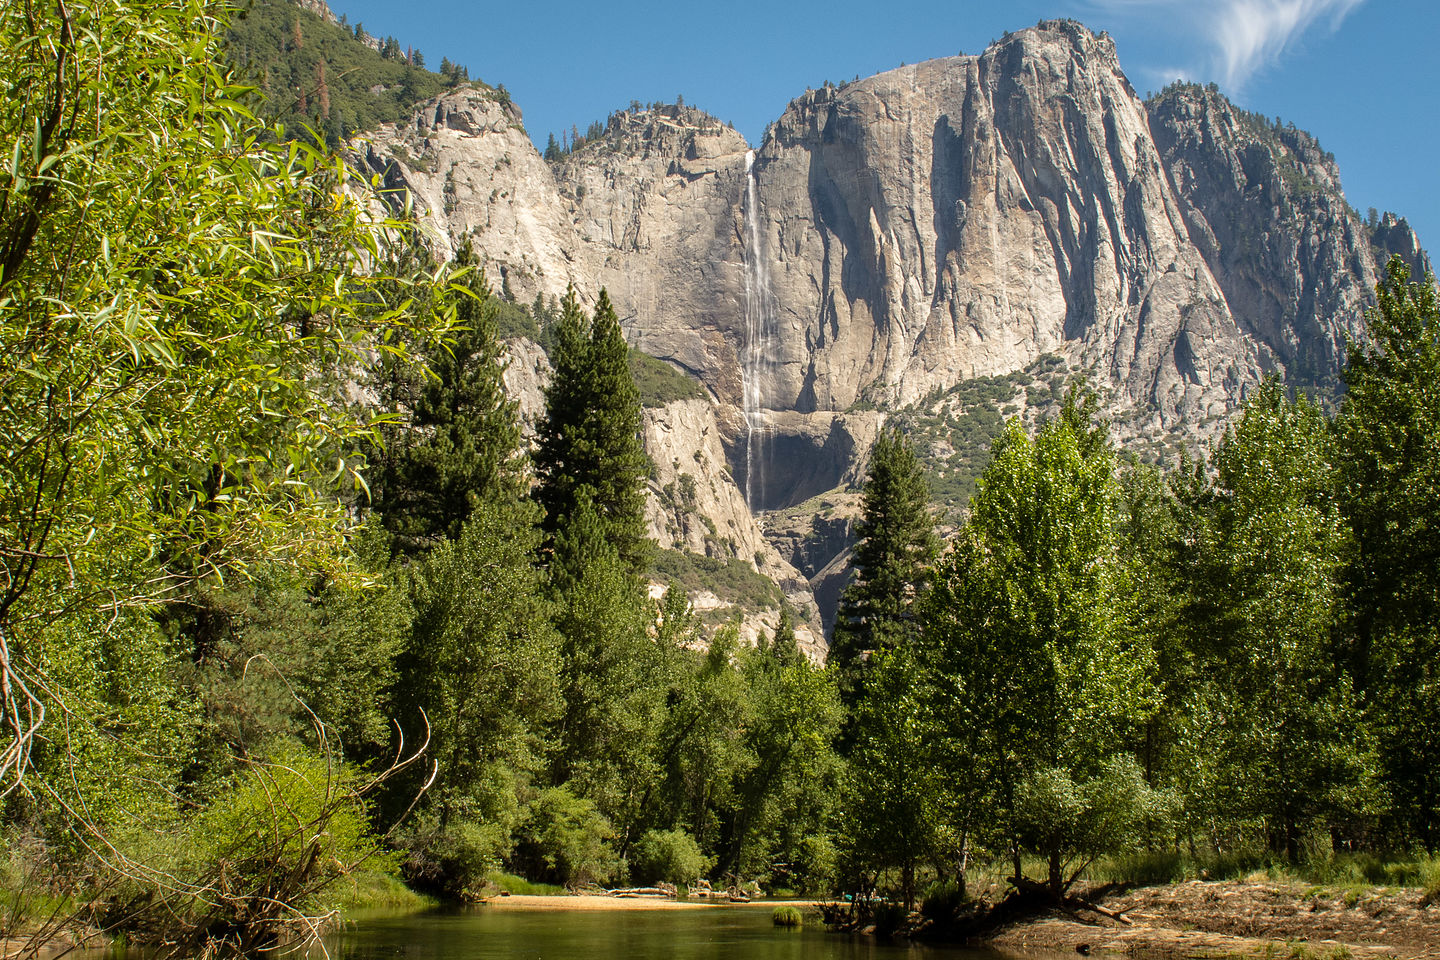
(175, 292)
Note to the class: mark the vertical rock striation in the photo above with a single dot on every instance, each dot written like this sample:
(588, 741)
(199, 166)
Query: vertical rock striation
(953, 219)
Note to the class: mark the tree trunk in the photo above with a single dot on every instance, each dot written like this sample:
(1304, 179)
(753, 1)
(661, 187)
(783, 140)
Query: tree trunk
(963, 866)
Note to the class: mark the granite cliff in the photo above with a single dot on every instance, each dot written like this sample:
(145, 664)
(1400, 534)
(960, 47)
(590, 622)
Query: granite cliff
(897, 237)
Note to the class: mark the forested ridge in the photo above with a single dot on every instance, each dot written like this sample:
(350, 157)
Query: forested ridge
(291, 612)
(330, 77)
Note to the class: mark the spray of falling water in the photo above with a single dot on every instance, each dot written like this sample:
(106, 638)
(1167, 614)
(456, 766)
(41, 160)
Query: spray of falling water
(759, 334)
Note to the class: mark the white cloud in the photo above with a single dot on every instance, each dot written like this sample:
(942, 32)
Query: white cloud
(1244, 35)
(1251, 34)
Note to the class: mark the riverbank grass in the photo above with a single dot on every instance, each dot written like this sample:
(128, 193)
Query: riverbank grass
(367, 890)
(509, 883)
(787, 917)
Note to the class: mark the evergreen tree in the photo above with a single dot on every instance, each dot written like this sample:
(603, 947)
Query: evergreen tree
(589, 449)
(482, 665)
(552, 153)
(896, 546)
(461, 445)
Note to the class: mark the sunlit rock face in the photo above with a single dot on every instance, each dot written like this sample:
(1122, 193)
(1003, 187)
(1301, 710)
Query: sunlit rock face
(907, 232)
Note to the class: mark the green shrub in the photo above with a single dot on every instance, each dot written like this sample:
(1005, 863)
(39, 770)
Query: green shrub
(567, 840)
(671, 855)
(888, 917)
(941, 901)
(454, 862)
(274, 841)
(659, 383)
(514, 320)
(282, 814)
(729, 579)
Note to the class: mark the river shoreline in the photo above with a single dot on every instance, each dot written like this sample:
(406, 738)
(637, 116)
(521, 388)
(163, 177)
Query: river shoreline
(1267, 919)
(1233, 918)
(1240, 918)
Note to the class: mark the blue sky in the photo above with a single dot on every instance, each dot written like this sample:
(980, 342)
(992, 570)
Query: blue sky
(1362, 75)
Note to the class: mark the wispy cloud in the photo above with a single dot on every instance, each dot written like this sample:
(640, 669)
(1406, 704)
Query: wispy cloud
(1243, 36)
(1252, 34)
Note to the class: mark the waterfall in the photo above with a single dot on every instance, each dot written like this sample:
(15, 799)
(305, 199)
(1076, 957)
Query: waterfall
(759, 335)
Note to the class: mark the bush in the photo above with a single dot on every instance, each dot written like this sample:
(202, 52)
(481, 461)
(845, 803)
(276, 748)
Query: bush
(266, 850)
(659, 383)
(941, 901)
(566, 840)
(671, 855)
(888, 917)
(730, 579)
(456, 861)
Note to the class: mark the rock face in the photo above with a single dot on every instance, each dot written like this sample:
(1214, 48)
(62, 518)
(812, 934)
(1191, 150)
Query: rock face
(1264, 206)
(695, 506)
(467, 166)
(902, 234)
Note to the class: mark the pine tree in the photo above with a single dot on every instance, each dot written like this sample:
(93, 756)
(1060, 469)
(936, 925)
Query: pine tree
(896, 546)
(461, 447)
(589, 450)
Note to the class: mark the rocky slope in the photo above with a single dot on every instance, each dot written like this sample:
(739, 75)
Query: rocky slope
(695, 509)
(899, 236)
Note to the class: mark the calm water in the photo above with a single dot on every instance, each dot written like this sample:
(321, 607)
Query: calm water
(713, 933)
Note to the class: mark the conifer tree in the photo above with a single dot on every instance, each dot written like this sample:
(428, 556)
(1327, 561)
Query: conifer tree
(589, 448)
(896, 546)
(461, 446)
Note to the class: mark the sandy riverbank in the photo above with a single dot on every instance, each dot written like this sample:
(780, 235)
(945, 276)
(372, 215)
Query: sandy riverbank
(1262, 919)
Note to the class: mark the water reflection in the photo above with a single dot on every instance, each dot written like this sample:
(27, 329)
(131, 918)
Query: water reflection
(713, 933)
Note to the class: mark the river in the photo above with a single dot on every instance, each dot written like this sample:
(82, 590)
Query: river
(499, 932)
